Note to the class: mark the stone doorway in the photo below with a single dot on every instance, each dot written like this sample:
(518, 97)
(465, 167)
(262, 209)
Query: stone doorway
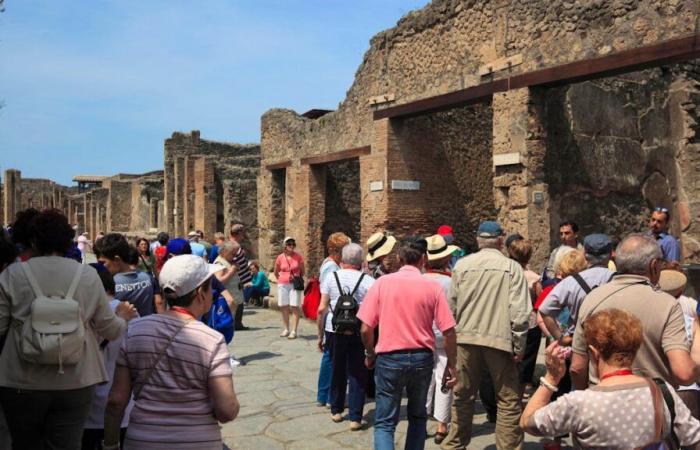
(342, 200)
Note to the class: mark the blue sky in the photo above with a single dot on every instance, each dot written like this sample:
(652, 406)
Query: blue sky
(94, 87)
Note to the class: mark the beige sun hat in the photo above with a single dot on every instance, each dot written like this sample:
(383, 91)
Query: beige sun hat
(671, 280)
(379, 245)
(438, 248)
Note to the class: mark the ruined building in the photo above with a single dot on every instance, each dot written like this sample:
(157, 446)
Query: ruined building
(206, 185)
(527, 111)
(209, 185)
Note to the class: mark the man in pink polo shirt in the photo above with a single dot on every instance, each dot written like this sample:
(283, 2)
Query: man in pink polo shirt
(404, 305)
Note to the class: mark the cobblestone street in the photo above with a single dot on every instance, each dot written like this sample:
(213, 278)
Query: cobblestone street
(277, 392)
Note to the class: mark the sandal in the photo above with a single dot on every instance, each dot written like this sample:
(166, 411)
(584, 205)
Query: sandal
(292, 335)
(439, 437)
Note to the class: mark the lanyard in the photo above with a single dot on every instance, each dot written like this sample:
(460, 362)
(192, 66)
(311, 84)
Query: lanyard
(617, 373)
(181, 310)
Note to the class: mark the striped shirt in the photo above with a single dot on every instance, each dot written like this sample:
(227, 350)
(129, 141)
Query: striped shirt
(243, 270)
(174, 409)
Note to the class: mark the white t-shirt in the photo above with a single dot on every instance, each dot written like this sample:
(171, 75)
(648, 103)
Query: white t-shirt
(689, 305)
(445, 282)
(95, 420)
(348, 280)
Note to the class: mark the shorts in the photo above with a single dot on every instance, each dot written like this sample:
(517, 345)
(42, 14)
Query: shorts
(287, 296)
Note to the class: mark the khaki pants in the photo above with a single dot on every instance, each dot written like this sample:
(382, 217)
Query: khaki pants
(472, 360)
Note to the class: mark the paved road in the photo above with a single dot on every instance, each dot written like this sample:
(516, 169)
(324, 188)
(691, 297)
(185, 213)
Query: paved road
(277, 391)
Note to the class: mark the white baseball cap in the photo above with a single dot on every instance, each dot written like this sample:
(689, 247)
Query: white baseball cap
(184, 273)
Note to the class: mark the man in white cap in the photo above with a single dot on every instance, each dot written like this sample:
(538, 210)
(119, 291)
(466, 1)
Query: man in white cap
(379, 246)
(491, 302)
(440, 256)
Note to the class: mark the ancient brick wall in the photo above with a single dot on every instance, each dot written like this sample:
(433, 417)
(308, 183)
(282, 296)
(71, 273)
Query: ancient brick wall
(449, 153)
(209, 185)
(342, 199)
(441, 48)
(612, 146)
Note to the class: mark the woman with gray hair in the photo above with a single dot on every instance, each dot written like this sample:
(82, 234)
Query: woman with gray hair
(346, 348)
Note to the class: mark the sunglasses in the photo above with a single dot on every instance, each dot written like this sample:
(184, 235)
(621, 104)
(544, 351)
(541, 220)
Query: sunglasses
(291, 244)
(661, 209)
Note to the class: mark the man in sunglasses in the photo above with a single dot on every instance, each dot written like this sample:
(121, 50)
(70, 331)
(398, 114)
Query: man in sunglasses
(658, 229)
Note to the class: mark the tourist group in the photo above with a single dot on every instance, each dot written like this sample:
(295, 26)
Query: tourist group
(124, 343)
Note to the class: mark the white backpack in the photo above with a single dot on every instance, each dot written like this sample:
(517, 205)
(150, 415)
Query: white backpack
(54, 333)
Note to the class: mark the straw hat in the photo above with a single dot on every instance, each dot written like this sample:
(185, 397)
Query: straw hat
(671, 280)
(438, 248)
(379, 245)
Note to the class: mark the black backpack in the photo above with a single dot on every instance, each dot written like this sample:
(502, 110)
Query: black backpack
(345, 311)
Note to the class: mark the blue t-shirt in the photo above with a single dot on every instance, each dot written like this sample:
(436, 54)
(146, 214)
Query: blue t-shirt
(198, 249)
(137, 288)
(213, 253)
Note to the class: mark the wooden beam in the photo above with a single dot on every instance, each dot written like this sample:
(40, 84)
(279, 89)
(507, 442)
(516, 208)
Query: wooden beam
(463, 97)
(278, 165)
(337, 156)
(666, 52)
(625, 61)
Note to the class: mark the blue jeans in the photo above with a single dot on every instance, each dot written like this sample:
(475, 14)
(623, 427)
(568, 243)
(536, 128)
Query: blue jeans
(253, 291)
(348, 355)
(393, 372)
(325, 373)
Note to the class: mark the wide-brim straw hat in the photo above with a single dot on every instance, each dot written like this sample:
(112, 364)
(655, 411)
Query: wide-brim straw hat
(438, 248)
(672, 280)
(379, 245)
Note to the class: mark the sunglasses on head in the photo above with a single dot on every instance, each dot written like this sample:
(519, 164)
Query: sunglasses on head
(661, 209)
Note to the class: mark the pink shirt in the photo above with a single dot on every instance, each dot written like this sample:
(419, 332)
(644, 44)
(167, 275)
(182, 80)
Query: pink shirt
(404, 305)
(286, 265)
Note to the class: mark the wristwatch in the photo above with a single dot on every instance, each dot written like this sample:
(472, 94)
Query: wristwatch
(369, 354)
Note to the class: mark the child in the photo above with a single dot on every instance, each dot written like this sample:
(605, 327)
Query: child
(94, 425)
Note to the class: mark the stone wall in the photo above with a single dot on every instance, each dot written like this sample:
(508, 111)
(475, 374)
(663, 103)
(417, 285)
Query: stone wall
(209, 185)
(612, 152)
(449, 153)
(442, 48)
(342, 202)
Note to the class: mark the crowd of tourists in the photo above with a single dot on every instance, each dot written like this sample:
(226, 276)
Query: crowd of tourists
(421, 317)
(125, 344)
(118, 343)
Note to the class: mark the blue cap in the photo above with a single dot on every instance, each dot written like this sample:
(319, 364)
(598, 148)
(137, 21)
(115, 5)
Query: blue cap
(489, 228)
(597, 244)
(179, 246)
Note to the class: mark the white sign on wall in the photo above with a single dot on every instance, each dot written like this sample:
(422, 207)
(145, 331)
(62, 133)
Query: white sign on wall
(405, 185)
(506, 159)
(375, 186)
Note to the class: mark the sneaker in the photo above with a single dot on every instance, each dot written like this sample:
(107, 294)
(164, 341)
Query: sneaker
(336, 418)
(321, 404)
(234, 362)
(355, 426)
(292, 335)
(285, 333)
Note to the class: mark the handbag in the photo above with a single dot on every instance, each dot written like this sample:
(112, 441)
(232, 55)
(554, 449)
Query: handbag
(297, 280)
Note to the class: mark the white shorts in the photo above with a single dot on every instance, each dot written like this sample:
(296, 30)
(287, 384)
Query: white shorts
(287, 296)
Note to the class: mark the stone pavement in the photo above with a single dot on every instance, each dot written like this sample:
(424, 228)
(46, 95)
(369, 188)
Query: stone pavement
(277, 392)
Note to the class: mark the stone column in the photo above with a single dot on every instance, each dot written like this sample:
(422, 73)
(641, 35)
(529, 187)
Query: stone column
(178, 196)
(12, 191)
(205, 204)
(520, 191)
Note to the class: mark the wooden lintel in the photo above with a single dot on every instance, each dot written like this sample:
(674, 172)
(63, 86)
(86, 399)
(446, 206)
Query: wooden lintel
(278, 165)
(667, 52)
(337, 156)
(474, 94)
(625, 61)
